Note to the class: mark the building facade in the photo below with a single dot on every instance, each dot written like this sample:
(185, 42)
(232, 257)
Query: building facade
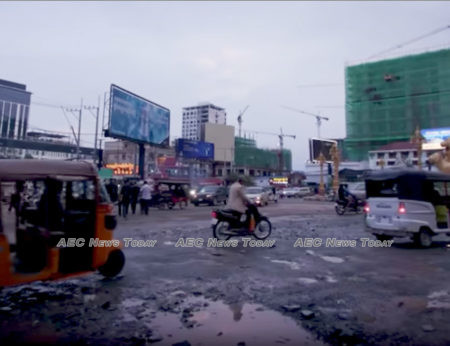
(194, 117)
(386, 100)
(123, 157)
(14, 109)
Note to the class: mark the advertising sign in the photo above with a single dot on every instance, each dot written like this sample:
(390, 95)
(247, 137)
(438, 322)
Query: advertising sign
(191, 149)
(436, 135)
(134, 118)
(317, 146)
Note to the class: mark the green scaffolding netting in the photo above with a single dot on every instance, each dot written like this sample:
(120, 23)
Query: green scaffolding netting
(387, 100)
(248, 155)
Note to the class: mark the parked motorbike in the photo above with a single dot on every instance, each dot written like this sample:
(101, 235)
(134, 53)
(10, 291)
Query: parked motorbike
(343, 206)
(228, 223)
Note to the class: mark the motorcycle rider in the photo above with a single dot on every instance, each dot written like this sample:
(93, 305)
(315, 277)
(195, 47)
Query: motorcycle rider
(345, 195)
(238, 201)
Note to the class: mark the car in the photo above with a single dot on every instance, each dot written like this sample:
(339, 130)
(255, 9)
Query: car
(358, 189)
(407, 203)
(296, 192)
(257, 195)
(210, 194)
(272, 194)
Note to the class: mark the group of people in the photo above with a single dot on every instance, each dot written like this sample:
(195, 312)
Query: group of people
(128, 195)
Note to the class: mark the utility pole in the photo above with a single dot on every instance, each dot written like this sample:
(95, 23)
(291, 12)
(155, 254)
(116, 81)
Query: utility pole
(79, 130)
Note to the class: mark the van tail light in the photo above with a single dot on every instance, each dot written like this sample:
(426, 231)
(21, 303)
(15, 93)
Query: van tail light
(366, 208)
(401, 208)
(214, 215)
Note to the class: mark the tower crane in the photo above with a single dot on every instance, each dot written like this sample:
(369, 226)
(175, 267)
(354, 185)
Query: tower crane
(318, 117)
(281, 136)
(239, 119)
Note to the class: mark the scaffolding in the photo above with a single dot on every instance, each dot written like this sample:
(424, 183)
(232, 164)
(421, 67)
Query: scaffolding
(248, 155)
(388, 99)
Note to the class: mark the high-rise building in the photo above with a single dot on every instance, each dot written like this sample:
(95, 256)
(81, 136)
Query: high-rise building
(386, 100)
(194, 117)
(14, 109)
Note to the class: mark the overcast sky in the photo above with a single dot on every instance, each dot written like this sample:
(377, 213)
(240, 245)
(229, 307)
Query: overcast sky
(233, 54)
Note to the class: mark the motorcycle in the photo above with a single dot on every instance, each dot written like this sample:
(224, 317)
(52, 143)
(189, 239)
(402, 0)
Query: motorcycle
(228, 223)
(343, 206)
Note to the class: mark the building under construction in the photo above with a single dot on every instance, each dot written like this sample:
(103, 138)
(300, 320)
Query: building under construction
(386, 100)
(253, 161)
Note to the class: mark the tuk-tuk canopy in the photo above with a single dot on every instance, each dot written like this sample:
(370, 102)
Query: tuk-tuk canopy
(404, 184)
(391, 174)
(11, 170)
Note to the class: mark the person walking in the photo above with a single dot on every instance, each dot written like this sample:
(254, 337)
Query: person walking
(146, 196)
(125, 197)
(134, 196)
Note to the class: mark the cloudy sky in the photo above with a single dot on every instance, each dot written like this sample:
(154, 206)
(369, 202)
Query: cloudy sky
(233, 54)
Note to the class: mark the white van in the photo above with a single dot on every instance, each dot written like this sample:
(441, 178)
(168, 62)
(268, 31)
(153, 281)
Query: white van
(407, 203)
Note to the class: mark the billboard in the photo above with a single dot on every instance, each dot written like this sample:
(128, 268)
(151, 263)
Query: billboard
(436, 135)
(136, 119)
(191, 149)
(317, 146)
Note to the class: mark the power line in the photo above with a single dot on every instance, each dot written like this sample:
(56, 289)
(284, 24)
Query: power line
(410, 41)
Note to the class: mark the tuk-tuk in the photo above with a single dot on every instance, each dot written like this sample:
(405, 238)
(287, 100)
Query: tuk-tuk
(170, 193)
(56, 221)
(407, 203)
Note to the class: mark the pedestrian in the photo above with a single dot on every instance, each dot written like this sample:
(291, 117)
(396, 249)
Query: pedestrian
(146, 196)
(134, 196)
(112, 189)
(125, 198)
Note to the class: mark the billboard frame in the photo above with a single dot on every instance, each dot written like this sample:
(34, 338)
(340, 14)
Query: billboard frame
(311, 151)
(112, 135)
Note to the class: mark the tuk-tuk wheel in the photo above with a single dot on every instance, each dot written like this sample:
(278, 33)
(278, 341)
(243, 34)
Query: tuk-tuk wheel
(423, 238)
(113, 265)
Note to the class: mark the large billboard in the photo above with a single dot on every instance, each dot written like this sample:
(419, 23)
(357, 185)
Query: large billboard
(317, 146)
(434, 137)
(190, 149)
(134, 118)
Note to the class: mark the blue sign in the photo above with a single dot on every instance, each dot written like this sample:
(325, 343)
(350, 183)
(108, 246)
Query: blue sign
(436, 135)
(136, 119)
(191, 149)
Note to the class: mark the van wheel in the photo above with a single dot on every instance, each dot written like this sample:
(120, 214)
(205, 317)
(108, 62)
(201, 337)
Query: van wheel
(113, 265)
(423, 238)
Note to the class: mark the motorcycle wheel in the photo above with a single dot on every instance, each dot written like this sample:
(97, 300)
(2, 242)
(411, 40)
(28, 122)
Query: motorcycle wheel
(263, 229)
(340, 210)
(218, 230)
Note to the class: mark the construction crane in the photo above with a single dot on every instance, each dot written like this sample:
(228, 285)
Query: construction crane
(239, 119)
(318, 117)
(281, 136)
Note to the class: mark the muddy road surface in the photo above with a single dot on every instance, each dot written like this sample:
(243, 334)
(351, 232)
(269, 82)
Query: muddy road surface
(347, 289)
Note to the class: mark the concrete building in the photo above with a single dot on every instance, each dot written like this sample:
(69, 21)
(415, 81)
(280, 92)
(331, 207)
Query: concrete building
(194, 117)
(14, 109)
(222, 136)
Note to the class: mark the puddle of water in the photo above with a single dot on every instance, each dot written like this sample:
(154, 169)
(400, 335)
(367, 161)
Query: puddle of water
(292, 265)
(307, 281)
(220, 324)
(132, 302)
(439, 300)
(330, 279)
(89, 297)
(332, 259)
